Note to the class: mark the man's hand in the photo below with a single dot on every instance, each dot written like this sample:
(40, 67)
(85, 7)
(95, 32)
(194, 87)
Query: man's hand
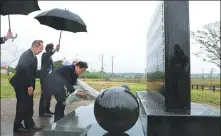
(30, 90)
(58, 47)
(9, 35)
(81, 94)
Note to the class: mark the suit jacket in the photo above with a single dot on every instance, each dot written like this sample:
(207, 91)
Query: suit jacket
(26, 70)
(60, 77)
(45, 65)
(2, 40)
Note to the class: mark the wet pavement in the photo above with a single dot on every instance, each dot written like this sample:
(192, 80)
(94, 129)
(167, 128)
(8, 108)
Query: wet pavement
(82, 122)
(8, 115)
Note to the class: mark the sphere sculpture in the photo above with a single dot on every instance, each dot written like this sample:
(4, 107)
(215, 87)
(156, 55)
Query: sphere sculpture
(116, 110)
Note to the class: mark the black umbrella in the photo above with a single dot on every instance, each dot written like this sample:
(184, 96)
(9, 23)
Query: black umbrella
(9, 7)
(63, 20)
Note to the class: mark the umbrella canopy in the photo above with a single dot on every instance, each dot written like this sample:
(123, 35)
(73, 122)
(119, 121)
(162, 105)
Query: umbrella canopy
(8, 7)
(60, 19)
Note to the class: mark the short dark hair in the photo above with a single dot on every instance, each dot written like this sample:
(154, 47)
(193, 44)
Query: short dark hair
(49, 47)
(81, 64)
(36, 43)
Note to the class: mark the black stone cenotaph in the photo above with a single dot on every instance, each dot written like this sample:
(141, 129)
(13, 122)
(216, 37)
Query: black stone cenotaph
(166, 108)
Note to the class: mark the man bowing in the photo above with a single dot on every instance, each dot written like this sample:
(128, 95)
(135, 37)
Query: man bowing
(59, 83)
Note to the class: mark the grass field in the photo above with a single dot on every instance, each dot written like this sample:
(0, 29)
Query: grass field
(206, 81)
(205, 97)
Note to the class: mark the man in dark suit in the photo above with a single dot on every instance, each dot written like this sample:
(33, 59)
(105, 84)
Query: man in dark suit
(60, 84)
(5, 38)
(46, 68)
(24, 85)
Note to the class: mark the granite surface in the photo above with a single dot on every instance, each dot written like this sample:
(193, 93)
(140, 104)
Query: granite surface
(82, 122)
(153, 104)
(202, 120)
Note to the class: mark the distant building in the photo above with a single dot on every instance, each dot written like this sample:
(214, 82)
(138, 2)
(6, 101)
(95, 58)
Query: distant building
(3, 69)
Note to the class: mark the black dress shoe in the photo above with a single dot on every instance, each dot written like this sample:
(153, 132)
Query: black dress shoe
(45, 115)
(34, 127)
(21, 129)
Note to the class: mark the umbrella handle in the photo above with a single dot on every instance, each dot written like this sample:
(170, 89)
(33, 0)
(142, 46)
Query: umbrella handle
(59, 39)
(9, 24)
(9, 29)
(16, 35)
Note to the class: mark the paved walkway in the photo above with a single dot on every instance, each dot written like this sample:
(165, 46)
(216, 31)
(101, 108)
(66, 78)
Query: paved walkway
(8, 115)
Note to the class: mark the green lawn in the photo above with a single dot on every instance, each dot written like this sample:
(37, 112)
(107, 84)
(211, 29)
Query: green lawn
(7, 90)
(206, 97)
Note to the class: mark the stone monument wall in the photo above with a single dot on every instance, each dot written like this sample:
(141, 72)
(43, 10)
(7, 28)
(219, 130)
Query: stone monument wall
(168, 54)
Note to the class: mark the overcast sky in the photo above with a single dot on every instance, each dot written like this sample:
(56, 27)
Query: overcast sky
(115, 28)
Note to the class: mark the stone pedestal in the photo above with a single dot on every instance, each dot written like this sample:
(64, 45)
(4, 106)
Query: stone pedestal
(201, 121)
